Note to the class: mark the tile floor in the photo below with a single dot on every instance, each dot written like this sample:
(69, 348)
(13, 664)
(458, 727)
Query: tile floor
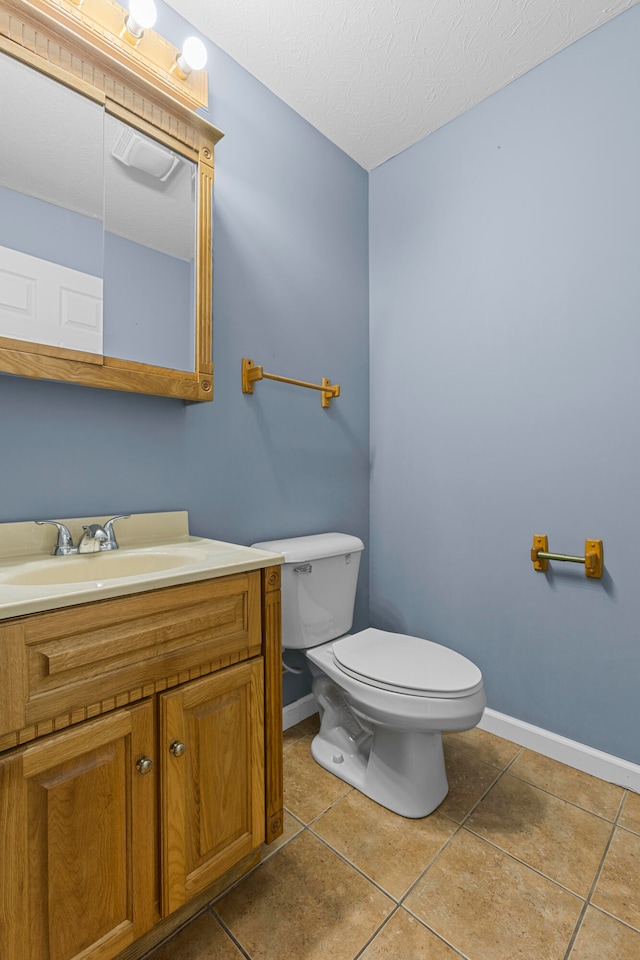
(526, 858)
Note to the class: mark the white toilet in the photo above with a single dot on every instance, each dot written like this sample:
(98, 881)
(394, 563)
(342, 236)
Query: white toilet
(384, 698)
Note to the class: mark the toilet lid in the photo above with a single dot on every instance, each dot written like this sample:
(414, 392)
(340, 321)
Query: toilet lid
(405, 664)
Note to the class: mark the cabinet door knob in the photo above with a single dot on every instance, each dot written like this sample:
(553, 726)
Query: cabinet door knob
(177, 748)
(144, 765)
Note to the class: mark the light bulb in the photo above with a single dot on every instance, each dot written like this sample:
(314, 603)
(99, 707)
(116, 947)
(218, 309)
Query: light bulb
(193, 56)
(142, 16)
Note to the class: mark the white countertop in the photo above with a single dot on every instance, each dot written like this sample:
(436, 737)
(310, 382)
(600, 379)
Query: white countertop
(162, 540)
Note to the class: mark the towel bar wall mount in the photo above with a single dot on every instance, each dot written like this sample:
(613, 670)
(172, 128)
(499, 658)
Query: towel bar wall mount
(251, 372)
(593, 556)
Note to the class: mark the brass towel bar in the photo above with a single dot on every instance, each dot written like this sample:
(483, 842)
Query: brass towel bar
(251, 373)
(593, 556)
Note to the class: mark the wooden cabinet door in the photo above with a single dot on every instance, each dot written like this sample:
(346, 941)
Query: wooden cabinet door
(212, 778)
(77, 841)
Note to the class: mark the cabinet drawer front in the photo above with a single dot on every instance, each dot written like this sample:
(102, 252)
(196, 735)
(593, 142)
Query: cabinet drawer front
(80, 656)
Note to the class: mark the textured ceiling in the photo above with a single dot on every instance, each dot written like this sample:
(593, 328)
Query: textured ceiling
(375, 76)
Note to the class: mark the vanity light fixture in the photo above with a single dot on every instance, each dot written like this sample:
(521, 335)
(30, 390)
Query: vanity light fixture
(128, 37)
(193, 57)
(142, 16)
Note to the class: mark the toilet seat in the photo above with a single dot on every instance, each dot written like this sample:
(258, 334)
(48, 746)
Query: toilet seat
(406, 664)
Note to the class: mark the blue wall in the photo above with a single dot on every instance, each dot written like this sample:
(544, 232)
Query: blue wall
(505, 297)
(51, 232)
(291, 293)
(151, 322)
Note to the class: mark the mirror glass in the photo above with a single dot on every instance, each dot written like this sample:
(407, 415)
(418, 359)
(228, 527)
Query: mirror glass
(98, 228)
(51, 212)
(149, 249)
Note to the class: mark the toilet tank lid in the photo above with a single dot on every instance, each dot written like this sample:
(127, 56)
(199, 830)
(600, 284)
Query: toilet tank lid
(315, 547)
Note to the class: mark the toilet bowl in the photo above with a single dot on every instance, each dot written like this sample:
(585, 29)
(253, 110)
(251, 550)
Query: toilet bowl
(384, 698)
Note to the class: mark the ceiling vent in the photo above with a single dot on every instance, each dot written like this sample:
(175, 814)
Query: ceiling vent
(134, 150)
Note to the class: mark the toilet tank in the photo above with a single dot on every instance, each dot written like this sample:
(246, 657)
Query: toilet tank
(319, 578)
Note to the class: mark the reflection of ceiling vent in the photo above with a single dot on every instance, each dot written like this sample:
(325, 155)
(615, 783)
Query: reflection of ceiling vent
(134, 150)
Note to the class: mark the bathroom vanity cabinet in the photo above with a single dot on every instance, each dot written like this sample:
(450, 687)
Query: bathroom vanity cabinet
(141, 761)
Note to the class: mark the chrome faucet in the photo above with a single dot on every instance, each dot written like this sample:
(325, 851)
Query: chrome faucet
(92, 539)
(95, 539)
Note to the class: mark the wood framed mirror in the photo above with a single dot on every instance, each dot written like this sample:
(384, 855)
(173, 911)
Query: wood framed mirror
(105, 218)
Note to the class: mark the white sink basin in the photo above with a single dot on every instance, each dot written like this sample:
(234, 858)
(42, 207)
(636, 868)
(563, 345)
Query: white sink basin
(156, 551)
(99, 567)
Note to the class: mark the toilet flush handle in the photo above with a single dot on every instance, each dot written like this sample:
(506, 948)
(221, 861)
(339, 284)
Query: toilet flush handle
(303, 568)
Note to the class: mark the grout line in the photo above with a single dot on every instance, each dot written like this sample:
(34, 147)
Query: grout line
(617, 919)
(592, 889)
(524, 863)
(150, 954)
(314, 820)
(451, 946)
(259, 864)
(269, 856)
(511, 762)
(330, 807)
(378, 930)
(459, 827)
(388, 919)
(430, 864)
(481, 798)
(471, 751)
(295, 816)
(572, 803)
(228, 932)
(622, 802)
(292, 743)
(349, 863)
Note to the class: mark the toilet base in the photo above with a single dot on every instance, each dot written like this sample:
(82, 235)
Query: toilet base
(403, 770)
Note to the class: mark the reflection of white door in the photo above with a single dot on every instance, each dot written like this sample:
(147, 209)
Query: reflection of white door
(45, 303)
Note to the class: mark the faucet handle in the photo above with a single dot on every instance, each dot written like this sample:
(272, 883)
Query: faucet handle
(111, 543)
(64, 542)
(93, 531)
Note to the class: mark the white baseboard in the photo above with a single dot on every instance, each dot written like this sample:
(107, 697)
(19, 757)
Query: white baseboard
(574, 754)
(298, 710)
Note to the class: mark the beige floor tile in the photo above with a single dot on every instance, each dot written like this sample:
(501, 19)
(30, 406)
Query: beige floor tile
(553, 836)
(586, 791)
(618, 889)
(307, 727)
(485, 746)
(630, 816)
(202, 939)
(469, 778)
(304, 903)
(308, 788)
(603, 938)
(391, 850)
(405, 938)
(490, 907)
